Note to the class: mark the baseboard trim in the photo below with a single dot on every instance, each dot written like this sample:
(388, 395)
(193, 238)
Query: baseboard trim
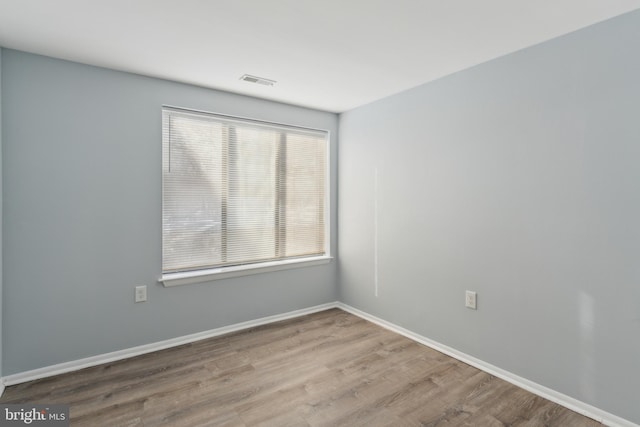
(583, 408)
(88, 362)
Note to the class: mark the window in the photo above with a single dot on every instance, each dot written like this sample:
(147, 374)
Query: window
(240, 194)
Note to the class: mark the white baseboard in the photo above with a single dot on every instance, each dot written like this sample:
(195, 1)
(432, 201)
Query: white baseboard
(585, 409)
(76, 365)
(542, 391)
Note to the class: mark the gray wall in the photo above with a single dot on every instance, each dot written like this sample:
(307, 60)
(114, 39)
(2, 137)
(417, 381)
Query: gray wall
(518, 179)
(1, 224)
(82, 215)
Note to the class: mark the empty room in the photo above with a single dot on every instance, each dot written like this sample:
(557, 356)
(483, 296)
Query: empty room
(320, 213)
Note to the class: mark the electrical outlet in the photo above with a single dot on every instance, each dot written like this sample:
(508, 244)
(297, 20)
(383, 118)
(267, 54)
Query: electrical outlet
(141, 294)
(471, 300)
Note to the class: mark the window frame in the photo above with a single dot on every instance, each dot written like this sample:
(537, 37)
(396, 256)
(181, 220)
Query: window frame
(170, 279)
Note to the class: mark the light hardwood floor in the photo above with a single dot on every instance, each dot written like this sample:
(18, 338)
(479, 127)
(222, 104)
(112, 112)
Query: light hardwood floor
(325, 369)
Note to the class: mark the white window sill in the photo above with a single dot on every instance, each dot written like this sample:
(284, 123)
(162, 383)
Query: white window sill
(177, 279)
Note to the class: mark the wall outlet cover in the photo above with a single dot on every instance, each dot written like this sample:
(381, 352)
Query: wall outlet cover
(141, 294)
(471, 299)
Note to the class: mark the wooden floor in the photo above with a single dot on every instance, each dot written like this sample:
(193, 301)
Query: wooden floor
(325, 369)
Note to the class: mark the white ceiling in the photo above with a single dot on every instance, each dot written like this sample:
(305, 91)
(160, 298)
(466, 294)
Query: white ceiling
(332, 55)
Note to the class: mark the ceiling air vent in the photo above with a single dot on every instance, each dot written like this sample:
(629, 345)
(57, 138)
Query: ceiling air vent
(258, 80)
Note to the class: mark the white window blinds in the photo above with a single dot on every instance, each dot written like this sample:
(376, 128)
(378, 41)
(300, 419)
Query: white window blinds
(238, 192)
